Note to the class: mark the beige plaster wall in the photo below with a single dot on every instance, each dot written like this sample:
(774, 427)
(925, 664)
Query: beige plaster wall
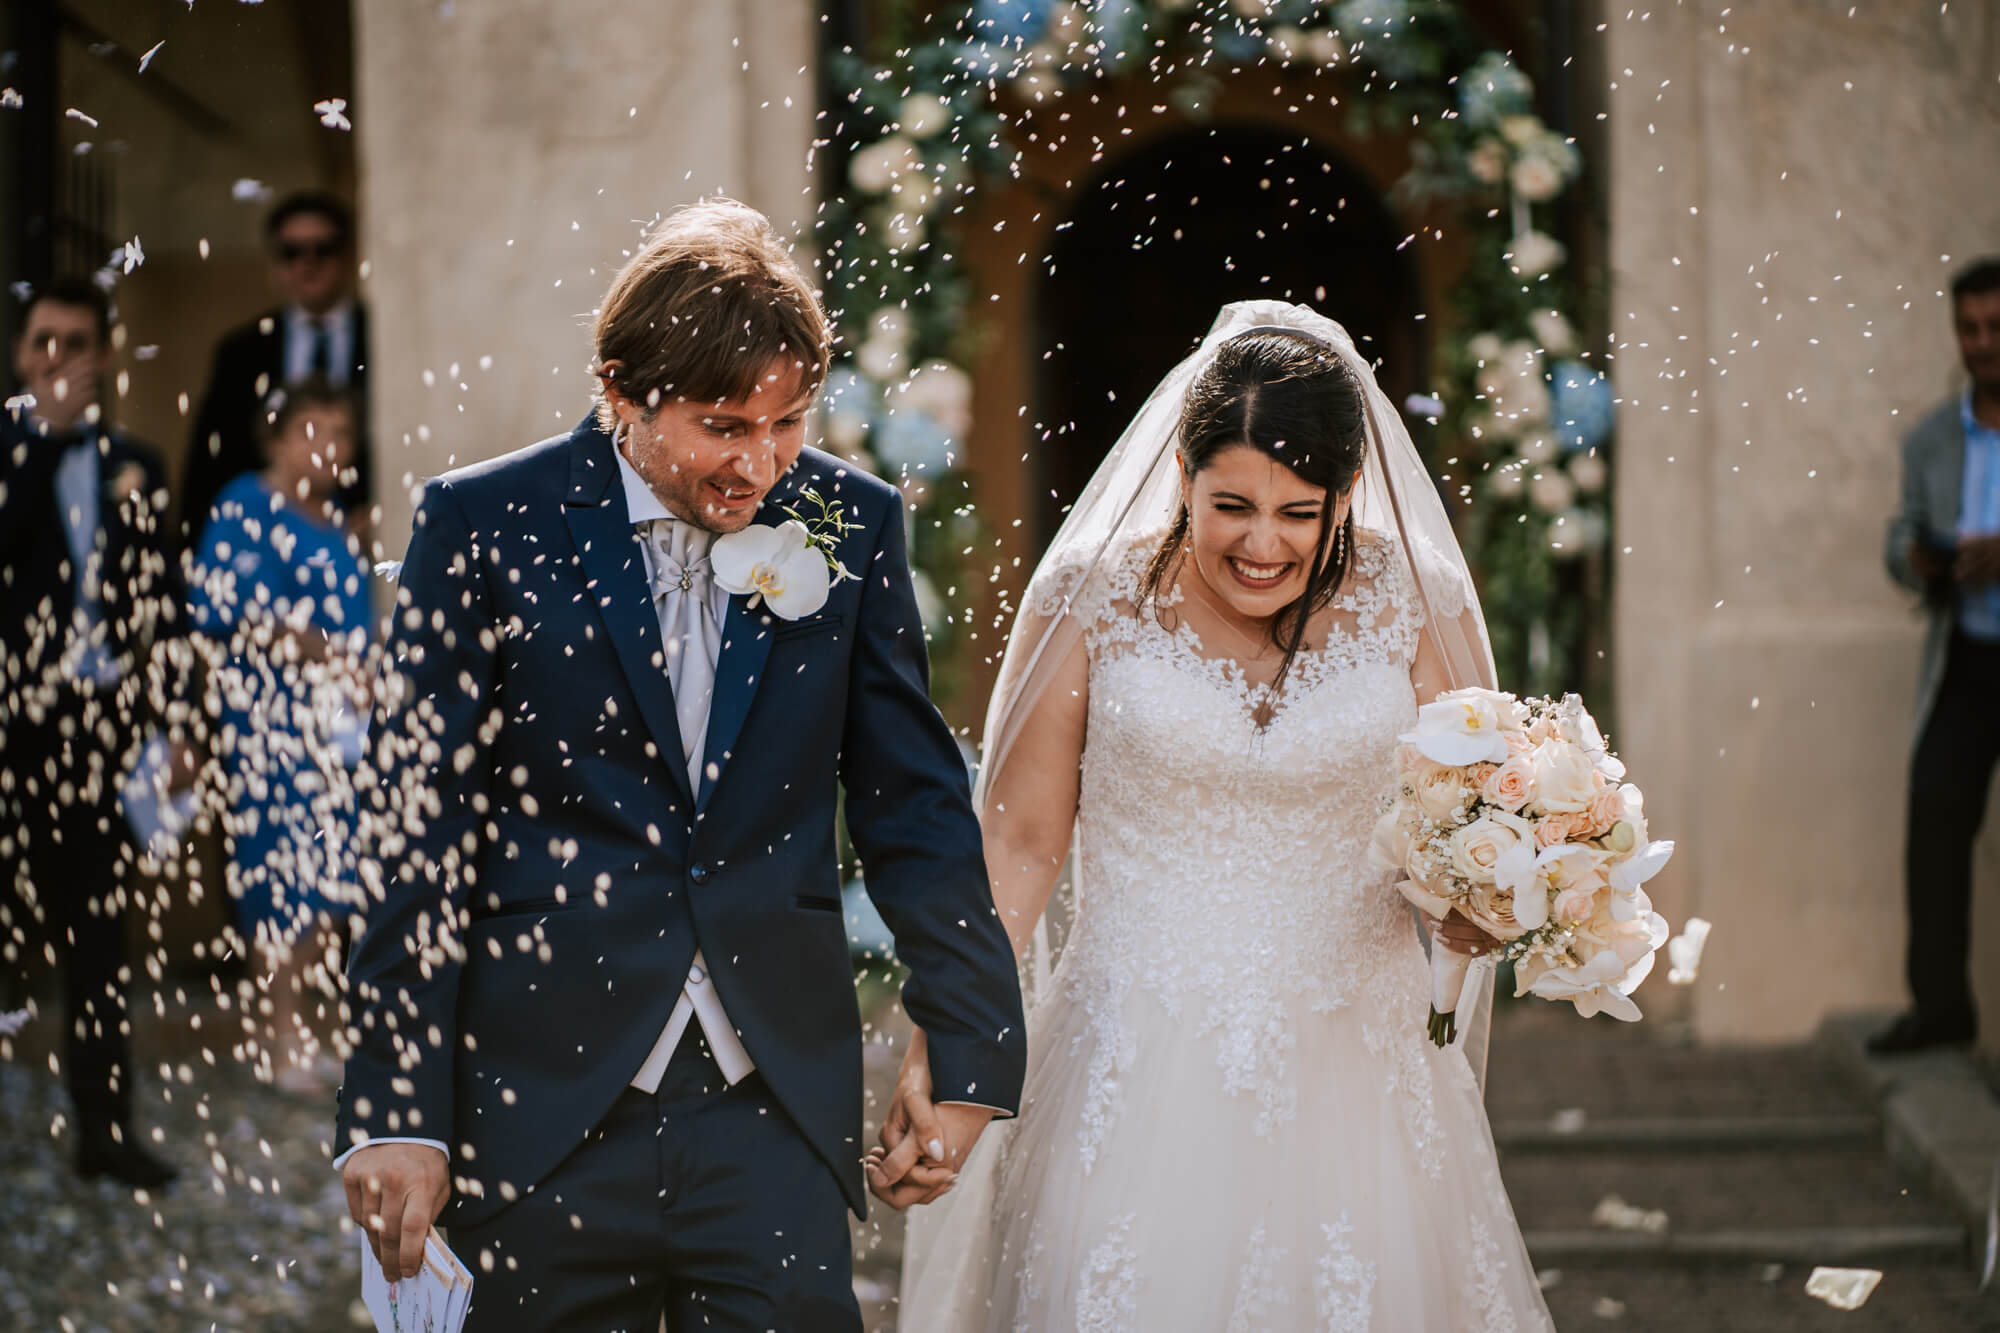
(510, 153)
(1792, 188)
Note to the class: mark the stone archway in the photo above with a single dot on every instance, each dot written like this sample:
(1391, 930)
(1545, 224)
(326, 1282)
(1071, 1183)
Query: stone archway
(1166, 235)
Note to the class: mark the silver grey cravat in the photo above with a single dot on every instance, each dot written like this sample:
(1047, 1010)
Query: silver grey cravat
(683, 590)
(683, 594)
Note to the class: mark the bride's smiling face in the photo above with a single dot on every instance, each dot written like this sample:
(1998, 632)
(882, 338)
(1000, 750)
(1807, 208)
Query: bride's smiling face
(1254, 529)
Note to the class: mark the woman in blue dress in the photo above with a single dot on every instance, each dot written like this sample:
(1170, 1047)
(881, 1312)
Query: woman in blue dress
(280, 592)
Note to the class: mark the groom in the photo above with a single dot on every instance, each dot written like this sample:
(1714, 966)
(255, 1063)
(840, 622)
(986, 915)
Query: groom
(606, 975)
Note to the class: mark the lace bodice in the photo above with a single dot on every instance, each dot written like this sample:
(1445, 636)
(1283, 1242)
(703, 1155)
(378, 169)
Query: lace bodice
(1223, 865)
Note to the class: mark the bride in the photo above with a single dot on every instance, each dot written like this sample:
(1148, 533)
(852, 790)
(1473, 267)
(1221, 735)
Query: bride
(1233, 1118)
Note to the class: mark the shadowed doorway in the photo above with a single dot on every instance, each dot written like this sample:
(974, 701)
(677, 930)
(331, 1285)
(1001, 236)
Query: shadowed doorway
(1163, 238)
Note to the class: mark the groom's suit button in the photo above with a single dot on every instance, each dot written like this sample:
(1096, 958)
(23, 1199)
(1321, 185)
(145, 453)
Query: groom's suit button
(696, 976)
(699, 874)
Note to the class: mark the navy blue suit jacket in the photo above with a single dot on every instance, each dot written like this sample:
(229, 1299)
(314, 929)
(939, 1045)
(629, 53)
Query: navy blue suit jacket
(545, 873)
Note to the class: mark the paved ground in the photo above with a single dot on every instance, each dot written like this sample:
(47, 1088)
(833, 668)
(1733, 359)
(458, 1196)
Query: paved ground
(1774, 1189)
(254, 1238)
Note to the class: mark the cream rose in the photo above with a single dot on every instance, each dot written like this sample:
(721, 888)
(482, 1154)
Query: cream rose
(1493, 912)
(1477, 848)
(1565, 779)
(1441, 792)
(1575, 903)
(1510, 785)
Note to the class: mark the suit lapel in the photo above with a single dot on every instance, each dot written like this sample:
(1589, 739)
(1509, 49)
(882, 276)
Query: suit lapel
(1948, 475)
(739, 667)
(615, 574)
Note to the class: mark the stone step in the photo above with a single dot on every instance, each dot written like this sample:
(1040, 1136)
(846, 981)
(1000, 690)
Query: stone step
(1832, 1246)
(1685, 1132)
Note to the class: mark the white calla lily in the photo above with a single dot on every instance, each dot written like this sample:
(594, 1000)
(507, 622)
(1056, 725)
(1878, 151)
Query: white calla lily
(1581, 727)
(1462, 727)
(1599, 986)
(778, 566)
(1629, 875)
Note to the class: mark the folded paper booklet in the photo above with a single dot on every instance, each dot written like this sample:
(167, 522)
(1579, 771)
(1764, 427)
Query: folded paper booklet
(434, 1301)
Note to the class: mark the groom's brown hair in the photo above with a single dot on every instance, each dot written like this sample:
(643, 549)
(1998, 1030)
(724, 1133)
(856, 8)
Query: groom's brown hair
(699, 313)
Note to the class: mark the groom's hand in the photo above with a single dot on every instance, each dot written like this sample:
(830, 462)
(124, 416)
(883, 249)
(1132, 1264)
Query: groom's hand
(923, 1145)
(395, 1191)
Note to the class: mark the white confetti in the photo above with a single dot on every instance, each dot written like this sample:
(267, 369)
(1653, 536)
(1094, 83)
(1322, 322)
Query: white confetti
(1684, 951)
(74, 114)
(1843, 1288)
(152, 51)
(249, 189)
(333, 113)
(1615, 1213)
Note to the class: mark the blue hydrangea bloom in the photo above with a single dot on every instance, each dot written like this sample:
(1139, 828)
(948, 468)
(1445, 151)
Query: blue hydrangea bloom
(1121, 28)
(1014, 22)
(849, 393)
(1582, 406)
(906, 439)
(1493, 88)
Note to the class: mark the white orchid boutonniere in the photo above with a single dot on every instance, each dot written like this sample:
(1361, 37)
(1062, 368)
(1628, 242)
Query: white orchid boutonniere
(790, 568)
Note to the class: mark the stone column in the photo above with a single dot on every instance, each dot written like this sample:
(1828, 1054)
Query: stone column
(1791, 190)
(511, 151)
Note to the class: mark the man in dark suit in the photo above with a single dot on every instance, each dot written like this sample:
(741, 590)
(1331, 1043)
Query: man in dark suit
(603, 1004)
(1945, 543)
(90, 585)
(321, 329)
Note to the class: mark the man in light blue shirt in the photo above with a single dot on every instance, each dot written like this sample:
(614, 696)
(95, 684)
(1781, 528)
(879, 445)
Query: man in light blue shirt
(1945, 544)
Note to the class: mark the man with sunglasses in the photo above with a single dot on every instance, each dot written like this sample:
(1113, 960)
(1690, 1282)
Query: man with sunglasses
(321, 329)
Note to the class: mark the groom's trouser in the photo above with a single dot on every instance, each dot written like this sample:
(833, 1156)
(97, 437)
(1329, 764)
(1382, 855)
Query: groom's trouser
(701, 1202)
(1951, 776)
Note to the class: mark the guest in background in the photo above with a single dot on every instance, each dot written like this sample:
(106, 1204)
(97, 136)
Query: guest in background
(90, 590)
(321, 329)
(280, 592)
(1945, 544)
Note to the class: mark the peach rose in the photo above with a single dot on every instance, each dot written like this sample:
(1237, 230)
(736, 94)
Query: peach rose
(1574, 904)
(1510, 785)
(1519, 744)
(1559, 828)
(1606, 808)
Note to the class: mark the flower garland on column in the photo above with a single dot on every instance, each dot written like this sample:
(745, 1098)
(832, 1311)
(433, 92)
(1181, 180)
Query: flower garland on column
(920, 132)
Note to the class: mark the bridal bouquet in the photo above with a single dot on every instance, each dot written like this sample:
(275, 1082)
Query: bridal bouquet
(1515, 814)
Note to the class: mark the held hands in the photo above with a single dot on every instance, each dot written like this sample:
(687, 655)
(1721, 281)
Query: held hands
(1978, 560)
(923, 1145)
(1975, 560)
(395, 1191)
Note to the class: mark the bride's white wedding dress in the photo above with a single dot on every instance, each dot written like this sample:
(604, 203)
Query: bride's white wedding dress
(1233, 1118)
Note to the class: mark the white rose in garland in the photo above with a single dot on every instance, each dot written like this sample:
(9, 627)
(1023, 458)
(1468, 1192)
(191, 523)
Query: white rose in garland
(1535, 253)
(779, 566)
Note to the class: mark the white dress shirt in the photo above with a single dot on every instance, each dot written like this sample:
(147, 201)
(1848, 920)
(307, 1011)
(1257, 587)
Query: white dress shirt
(299, 328)
(78, 496)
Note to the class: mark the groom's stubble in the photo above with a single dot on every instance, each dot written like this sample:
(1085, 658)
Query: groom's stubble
(712, 464)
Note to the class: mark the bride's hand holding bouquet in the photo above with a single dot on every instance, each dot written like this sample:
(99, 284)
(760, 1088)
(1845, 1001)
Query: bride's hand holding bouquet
(1513, 815)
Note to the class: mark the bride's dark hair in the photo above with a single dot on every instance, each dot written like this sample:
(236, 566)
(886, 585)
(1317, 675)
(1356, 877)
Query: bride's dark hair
(1292, 398)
